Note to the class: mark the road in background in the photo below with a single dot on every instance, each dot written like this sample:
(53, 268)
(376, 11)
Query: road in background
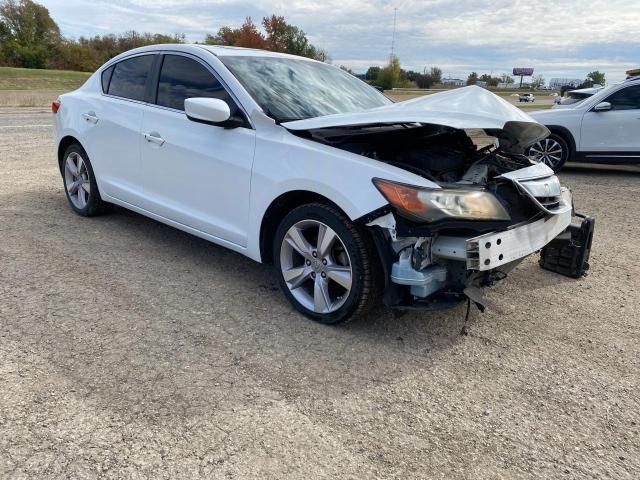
(130, 349)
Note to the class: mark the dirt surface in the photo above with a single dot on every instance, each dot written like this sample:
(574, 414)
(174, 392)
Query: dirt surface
(131, 350)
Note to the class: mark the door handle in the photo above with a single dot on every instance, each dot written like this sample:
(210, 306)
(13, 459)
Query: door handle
(90, 117)
(154, 137)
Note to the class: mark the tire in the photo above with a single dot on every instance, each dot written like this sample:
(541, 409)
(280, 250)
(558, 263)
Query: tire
(80, 184)
(316, 271)
(545, 151)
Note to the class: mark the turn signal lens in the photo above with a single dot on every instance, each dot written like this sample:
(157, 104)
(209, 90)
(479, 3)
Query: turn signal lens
(55, 106)
(402, 196)
(432, 204)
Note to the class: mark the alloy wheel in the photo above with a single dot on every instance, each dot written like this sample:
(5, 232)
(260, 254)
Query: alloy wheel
(548, 151)
(76, 179)
(316, 266)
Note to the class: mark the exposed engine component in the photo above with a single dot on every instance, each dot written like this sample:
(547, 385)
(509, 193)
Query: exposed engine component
(441, 154)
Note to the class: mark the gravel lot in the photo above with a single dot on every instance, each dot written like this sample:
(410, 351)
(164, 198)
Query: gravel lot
(131, 350)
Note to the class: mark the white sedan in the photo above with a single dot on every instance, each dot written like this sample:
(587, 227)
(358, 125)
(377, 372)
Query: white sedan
(355, 199)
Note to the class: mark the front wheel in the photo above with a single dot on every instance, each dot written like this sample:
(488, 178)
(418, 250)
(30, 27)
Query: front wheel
(553, 151)
(326, 265)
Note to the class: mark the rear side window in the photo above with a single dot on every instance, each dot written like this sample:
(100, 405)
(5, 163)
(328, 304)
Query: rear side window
(106, 78)
(182, 78)
(129, 79)
(626, 99)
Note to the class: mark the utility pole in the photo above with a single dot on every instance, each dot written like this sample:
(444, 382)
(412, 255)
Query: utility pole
(393, 36)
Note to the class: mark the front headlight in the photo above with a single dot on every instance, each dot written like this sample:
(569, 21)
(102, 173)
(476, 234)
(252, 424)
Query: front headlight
(430, 205)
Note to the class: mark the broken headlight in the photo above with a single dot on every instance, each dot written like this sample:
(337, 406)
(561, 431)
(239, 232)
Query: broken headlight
(425, 204)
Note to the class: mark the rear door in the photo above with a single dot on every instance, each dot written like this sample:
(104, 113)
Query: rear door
(197, 174)
(113, 128)
(615, 132)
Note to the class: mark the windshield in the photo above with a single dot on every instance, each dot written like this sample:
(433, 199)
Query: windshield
(290, 89)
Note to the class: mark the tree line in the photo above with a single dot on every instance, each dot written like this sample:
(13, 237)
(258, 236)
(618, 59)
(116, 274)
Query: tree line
(30, 38)
(393, 75)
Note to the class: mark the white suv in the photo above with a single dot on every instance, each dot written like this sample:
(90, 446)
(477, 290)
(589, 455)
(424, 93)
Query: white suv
(602, 128)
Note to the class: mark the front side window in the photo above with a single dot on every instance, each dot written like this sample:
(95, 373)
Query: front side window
(291, 89)
(129, 78)
(182, 78)
(625, 99)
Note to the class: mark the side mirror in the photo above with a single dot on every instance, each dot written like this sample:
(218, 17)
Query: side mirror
(207, 110)
(602, 107)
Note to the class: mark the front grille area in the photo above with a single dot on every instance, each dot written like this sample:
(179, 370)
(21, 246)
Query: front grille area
(550, 203)
(546, 192)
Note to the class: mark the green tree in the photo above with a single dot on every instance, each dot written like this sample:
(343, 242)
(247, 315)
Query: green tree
(596, 77)
(472, 79)
(390, 76)
(491, 81)
(27, 33)
(284, 37)
(372, 74)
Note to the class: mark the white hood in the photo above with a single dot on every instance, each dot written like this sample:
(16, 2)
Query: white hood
(463, 108)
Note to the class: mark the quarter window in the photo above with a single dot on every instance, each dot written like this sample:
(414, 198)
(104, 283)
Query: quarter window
(626, 99)
(182, 78)
(129, 79)
(106, 78)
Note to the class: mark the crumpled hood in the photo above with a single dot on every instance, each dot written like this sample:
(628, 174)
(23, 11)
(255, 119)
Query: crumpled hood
(463, 108)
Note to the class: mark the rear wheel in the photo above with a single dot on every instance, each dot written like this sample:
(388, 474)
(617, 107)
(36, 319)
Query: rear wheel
(552, 151)
(80, 183)
(326, 265)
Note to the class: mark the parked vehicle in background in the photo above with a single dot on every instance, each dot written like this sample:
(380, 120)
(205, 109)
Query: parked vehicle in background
(603, 127)
(295, 162)
(574, 96)
(527, 97)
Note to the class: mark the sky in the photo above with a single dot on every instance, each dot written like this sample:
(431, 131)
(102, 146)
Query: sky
(558, 38)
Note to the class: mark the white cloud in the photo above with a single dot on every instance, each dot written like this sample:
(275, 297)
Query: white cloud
(572, 36)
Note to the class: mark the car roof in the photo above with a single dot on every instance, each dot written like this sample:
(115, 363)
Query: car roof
(217, 50)
(229, 51)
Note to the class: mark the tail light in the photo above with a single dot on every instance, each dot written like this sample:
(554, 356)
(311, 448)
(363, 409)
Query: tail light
(55, 106)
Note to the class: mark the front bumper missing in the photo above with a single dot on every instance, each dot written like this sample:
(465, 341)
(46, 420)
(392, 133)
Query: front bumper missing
(441, 271)
(492, 250)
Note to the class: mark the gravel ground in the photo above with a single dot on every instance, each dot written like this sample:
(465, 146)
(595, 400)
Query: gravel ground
(129, 349)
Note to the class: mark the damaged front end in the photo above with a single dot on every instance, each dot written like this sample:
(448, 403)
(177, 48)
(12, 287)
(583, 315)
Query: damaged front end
(488, 206)
(439, 264)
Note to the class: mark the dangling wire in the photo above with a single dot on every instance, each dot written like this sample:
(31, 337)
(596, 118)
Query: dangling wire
(465, 327)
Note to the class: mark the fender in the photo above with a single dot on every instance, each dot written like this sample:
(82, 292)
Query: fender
(566, 134)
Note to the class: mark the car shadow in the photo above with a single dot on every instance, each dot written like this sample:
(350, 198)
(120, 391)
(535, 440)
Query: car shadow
(253, 279)
(161, 311)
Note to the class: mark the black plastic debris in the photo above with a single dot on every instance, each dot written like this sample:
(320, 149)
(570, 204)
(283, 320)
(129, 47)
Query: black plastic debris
(568, 253)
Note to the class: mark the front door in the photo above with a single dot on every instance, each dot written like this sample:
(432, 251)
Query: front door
(197, 174)
(616, 131)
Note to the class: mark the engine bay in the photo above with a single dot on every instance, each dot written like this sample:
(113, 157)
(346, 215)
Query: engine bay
(441, 154)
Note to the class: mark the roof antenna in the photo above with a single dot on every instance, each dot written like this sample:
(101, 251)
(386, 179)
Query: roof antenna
(393, 36)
